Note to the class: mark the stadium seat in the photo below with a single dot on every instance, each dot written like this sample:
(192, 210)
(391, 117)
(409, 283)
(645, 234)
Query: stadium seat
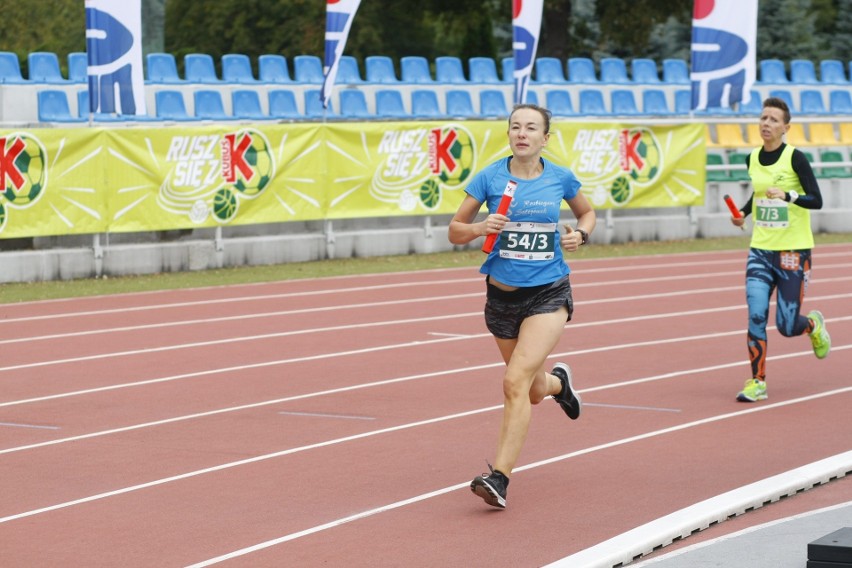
(83, 111)
(531, 98)
(199, 68)
(10, 68)
(492, 104)
(839, 102)
(730, 135)
(738, 158)
(353, 104)
(581, 70)
(614, 71)
(752, 137)
(424, 104)
(832, 72)
(282, 104)
(654, 102)
(796, 135)
(717, 175)
(389, 104)
(348, 72)
(644, 71)
(592, 103)
(53, 107)
(754, 106)
(162, 68)
(236, 68)
(549, 70)
(308, 69)
(822, 134)
(44, 68)
(78, 67)
(683, 101)
(623, 102)
(313, 104)
(483, 70)
(845, 133)
(170, 105)
(675, 71)
(245, 104)
(459, 104)
(772, 72)
(785, 96)
(380, 69)
(558, 102)
(508, 68)
(448, 70)
(415, 69)
(803, 72)
(208, 105)
(812, 103)
(833, 171)
(273, 69)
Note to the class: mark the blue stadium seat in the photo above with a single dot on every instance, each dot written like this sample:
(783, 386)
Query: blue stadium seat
(492, 104)
(803, 72)
(424, 104)
(459, 104)
(236, 68)
(389, 104)
(313, 104)
(308, 69)
(245, 104)
(170, 105)
(449, 70)
(549, 70)
(353, 104)
(199, 68)
(162, 68)
(832, 72)
(53, 107)
(785, 96)
(273, 68)
(581, 70)
(44, 68)
(683, 101)
(614, 71)
(839, 102)
(10, 68)
(772, 72)
(558, 102)
(507, 67)
(531, 98)
(78, 67)
(812, 102)
(654, 102)
(675, 71)
(415, 69)
(380, 69)
(348, 72)
(623, 102)
(208, 105)
(83, 111)
(483, 70)
(753, 107)
(644, 71)
(282, 104)
(592, 103)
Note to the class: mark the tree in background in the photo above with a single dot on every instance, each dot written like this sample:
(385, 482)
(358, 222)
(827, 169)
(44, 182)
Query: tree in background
(786, 30)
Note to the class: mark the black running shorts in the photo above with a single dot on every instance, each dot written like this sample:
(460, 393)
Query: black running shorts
(505, 311)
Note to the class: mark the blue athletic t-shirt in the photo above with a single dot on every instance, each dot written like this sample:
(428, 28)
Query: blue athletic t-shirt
(527, 252)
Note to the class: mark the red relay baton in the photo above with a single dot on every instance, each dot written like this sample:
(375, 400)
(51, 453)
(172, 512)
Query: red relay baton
(733, 208)
(505, 201)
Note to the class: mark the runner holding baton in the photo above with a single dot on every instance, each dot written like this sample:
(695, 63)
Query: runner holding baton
(502, 209)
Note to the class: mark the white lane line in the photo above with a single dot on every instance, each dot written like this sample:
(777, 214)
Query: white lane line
(631, 407)
(325, 415)
(585, 451)
(36, 426)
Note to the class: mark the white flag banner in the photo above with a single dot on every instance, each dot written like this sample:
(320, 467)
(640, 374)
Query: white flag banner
(724, 48)
(114, 48)
(526, 27)
(338, 20)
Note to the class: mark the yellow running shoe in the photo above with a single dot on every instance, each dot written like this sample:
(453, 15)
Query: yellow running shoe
(819, 336)
(754, 390)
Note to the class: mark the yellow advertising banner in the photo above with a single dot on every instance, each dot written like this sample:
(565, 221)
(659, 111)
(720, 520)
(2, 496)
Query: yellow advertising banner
(92, 180)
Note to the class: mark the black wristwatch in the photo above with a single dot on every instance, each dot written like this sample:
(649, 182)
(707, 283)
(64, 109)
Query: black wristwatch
(585, 236)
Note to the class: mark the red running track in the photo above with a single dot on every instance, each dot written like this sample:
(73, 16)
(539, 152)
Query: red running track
(338, 422)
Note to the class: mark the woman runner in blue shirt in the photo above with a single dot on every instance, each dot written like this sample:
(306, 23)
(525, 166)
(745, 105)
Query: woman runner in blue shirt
(528, 295)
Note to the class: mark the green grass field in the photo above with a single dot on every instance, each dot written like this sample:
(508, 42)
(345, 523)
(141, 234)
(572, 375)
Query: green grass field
(23, 292)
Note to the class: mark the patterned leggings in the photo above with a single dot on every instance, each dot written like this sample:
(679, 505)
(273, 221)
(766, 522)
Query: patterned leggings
(766, 270)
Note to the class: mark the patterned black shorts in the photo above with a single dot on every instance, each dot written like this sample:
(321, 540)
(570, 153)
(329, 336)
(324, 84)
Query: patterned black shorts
(505, 311)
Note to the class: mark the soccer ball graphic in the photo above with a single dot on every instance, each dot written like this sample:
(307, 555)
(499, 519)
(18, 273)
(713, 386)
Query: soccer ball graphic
(649, 151)
(224, 205)
(463, 153)
(31, 163)
(259, 158)
(430, 194)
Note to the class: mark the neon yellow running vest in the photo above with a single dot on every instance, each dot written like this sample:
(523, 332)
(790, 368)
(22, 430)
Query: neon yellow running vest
(778, 225)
